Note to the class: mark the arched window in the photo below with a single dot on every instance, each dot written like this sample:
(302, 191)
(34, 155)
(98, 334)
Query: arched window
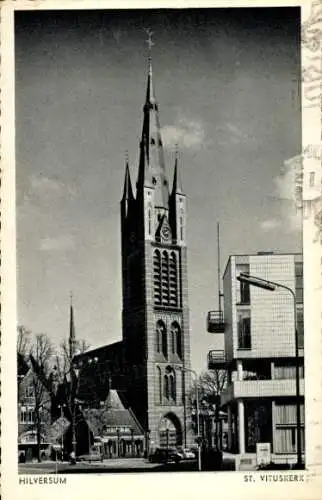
(157, 277)
(170, 392)
(159, 385)
(149, 221)
(176, 339)
(172, 383)
(173, 280)
(181, 227)
(166, 389)
(164, 342)
(173, 340)
(165, 278)
(161, 336)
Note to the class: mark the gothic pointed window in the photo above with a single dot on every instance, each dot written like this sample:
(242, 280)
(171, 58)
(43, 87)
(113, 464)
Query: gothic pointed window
(172, 378)
(166, 388)
(176, 339)
(173, 280)
(181, 224)
(149, 221)
(170, 391)
(161, 338)
(157, 277)
(159, 385)
(165, 279)
(164, 343)
(173, 340)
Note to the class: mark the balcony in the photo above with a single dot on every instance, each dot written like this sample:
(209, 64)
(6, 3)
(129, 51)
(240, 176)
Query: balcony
(215, 322)
(216, 359)
(241, 389)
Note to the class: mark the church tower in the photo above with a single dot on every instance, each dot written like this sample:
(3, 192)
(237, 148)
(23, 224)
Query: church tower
(156, 332)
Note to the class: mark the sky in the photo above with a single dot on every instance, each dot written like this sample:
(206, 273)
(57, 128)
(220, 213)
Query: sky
(226, 81)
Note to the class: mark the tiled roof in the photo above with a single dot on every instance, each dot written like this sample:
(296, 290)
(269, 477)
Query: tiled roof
(113, 414)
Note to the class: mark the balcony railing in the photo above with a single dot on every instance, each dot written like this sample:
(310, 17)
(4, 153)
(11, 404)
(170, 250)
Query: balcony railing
(215, 322)
(240, 389)
(216, 359)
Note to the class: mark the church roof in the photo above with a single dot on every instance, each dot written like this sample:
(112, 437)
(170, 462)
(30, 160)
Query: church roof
(113, 414)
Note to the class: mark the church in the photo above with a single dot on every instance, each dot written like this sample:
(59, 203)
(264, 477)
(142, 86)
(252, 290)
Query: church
(150, 367)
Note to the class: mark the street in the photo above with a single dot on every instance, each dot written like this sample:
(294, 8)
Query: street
(117, 465)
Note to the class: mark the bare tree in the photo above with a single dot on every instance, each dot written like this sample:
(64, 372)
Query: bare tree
(40, 354)
(23, 341)
(210, 386)
(70, 378)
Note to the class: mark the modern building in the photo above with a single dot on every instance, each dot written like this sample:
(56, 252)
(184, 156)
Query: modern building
(150, 365)
(259, 354)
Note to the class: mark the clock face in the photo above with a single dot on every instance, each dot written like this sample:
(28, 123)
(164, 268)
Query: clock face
(165, 232)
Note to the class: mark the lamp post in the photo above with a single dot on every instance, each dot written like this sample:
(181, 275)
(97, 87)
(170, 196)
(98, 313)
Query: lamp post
(62, 435)
(184, 370)
(271, 286)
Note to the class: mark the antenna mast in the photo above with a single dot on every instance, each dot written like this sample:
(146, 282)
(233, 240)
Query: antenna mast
(218, 268)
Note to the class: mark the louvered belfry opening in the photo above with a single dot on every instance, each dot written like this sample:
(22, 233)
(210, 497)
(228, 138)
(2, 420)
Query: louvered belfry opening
(165, 279)
(157, 277)
(173, 280)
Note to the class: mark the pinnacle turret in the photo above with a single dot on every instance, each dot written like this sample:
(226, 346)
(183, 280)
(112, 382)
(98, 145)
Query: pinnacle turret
(176, 187)
(127, 191)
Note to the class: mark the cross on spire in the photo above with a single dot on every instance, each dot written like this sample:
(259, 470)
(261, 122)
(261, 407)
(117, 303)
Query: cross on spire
(149, 41)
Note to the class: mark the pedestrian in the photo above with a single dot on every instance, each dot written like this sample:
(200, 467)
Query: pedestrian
(72, 458)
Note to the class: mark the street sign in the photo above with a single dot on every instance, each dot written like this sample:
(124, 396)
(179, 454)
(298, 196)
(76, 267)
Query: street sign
(263, 453)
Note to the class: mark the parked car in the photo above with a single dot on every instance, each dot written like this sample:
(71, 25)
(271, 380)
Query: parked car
(93, 456)
(186, 454)
(164, 455)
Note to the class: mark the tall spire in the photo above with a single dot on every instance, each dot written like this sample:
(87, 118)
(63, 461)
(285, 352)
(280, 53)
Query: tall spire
(177, 187)
(72, 336)
(152, 167)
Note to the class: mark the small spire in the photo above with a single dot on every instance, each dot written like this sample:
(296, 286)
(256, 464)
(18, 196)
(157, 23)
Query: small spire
(176, 189)
(127, 191)
(72, 335)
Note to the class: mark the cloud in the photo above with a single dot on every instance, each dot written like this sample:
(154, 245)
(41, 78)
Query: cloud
(46, 187)
(43, 183)
(286, 190)
(186, 133)
(270, 224)
(60, 243)
(232, 133)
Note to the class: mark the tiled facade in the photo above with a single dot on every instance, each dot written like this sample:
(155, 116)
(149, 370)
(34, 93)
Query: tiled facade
(260, 353)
